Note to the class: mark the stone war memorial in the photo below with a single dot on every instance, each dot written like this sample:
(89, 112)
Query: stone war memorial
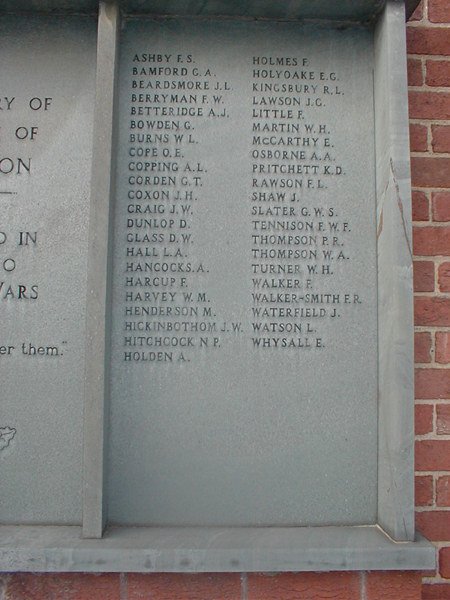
(206, 287)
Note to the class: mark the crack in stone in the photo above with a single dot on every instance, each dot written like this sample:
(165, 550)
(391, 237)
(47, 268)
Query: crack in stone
(380, 224)
(381, 203)
(400, 207)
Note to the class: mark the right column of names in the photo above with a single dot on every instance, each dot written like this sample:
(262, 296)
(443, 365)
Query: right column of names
(298, 234)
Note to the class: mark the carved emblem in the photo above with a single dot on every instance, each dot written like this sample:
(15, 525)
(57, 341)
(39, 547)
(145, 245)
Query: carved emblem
(6, 435)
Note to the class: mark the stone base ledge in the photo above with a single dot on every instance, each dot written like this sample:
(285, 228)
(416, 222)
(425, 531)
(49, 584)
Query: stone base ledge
(210, 549)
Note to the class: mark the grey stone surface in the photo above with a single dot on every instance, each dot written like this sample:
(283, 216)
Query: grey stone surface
(98, 279)
(395, 310)
(47, 69)
(298, 9)
(210, 549)
(50, 6)
(205, 441)
(239, 434)
(363, 10)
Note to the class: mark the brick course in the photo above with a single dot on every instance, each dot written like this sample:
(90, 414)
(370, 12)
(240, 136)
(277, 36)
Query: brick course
(443, 419)
(62, 586)
(437, 73)
(308, 586)
(428, 40)
(443, 347)
(433, 455)
(393, 586)
(439, 11)
(440, 206)
(418, 138)
(428, 36)
(424, 414)
(443, 491)
(420, 206)
(423, 275)
(422, 346)
(424, 490)
(444, 277)
(175, 586)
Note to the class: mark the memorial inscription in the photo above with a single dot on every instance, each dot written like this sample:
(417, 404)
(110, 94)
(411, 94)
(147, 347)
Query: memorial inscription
(244, 194)
(45, 149)
(200, 191)
(160, 274)
(293, 156)
(292, 243)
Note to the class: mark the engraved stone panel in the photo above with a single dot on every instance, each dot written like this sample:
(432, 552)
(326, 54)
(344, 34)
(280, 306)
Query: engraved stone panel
(48, 75)
(243, 379)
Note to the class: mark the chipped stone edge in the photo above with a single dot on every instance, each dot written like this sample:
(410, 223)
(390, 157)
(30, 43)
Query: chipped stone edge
(395, 297)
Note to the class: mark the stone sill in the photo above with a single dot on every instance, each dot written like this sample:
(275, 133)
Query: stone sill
(210, 549)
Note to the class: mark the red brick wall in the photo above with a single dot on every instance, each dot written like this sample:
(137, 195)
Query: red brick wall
(287, 586)
(429, 105)
(429, 80)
